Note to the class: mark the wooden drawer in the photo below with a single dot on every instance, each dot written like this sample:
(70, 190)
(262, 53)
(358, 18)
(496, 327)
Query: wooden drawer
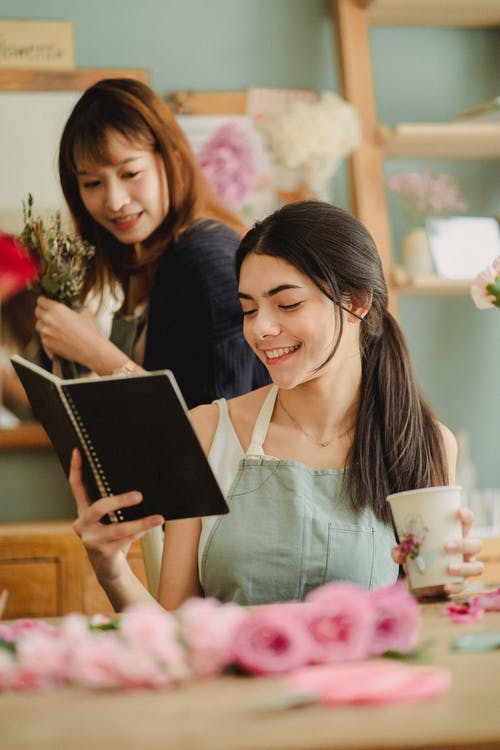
(34, 588)
(45, 569)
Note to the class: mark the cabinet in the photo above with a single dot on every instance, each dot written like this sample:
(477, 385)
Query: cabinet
(44, 567)
(353, 19)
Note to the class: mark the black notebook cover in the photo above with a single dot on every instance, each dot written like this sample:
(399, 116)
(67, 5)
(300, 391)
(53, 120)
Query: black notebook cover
(133, 434)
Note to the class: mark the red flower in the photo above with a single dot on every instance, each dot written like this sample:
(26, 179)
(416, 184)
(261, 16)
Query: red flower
(17, 266)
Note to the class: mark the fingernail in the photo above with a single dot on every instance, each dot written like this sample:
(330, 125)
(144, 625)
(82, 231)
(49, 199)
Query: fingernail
(452, 546)
(454, 570)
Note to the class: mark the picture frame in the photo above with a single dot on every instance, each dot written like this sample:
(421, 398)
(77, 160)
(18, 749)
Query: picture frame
(462, 246)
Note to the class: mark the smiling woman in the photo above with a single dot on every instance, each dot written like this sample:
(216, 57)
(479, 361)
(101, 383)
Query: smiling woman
(165, 247)
(305, 464)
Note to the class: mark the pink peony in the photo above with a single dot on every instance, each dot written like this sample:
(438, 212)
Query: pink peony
(272, 639)
(227, 161)
(396, 619)
(207, 629)
(375, 682)
(340, 620)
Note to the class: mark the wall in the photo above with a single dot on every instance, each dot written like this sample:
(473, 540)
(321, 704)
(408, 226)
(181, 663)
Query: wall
(420, 74)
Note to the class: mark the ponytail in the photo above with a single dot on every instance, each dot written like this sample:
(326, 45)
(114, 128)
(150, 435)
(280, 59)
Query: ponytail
(398, 444)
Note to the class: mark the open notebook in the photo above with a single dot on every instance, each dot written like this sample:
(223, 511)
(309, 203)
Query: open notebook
(133, 433)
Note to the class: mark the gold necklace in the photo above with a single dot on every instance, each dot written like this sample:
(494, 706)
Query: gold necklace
(322, 443)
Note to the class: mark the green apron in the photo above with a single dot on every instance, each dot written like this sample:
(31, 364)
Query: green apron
(290, 529)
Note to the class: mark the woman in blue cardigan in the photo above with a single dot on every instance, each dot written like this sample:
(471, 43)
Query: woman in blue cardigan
(165, 246)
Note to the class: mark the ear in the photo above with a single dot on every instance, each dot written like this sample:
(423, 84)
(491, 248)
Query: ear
(359, 306)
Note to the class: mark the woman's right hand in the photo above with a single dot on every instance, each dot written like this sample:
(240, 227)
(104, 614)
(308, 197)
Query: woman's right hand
(107, 545)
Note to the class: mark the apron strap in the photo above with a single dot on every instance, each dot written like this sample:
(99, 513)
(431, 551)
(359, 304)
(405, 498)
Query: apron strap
(262, 423)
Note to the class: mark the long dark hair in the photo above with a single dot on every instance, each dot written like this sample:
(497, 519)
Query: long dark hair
(397, 441)
(132, 109)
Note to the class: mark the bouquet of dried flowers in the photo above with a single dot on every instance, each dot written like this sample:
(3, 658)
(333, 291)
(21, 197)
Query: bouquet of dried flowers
(62, 260)
(62, 257)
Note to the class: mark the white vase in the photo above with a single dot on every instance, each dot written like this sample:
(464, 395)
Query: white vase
(416, 255)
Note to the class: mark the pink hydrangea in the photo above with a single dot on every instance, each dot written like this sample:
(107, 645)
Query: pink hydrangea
(207, 629)
(340, 621)
(227, 161)
(396, 619)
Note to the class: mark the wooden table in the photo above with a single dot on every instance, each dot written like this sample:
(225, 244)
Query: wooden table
(230, 713)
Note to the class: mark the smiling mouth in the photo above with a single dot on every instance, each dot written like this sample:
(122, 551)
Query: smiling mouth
(276, 353)
(124, 221)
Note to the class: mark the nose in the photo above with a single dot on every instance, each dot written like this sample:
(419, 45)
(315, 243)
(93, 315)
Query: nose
(116, 196)
(264, 324)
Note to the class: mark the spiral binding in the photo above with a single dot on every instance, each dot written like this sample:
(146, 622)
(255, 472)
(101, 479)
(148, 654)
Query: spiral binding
(103, 485)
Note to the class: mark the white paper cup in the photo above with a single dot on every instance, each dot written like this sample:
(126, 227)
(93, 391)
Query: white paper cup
(431, 515)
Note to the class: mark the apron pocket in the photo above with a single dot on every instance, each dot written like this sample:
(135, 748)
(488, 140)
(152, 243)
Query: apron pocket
(351, 554)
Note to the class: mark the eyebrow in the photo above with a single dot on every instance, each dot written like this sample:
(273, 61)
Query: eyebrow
(271, 292)
(83, 172)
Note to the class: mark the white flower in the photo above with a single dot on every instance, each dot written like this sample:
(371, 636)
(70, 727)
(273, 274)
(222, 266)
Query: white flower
(311, 139)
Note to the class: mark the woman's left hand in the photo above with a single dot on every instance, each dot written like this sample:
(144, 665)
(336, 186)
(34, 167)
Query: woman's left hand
(67, 333)
(469, 547)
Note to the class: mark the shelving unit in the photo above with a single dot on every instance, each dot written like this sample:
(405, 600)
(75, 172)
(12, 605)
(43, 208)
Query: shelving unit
(352, 20)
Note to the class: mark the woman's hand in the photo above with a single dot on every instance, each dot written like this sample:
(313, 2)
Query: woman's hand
(468, 547)
(107, 545)
(67, 333)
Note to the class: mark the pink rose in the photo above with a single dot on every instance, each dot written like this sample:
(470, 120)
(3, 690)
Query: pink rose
(207, 629)
(340, 620)
(8, 668)
(272, 639)
(17, 266)
(42, 661)
(463, 614)
(375, 682)
(149, 629)
(396, 619)
(489, 601)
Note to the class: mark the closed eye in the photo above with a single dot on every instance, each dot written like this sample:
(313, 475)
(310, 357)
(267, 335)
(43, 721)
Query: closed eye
(130, 175)
(246, 313)
(290, 307)
(89, 184)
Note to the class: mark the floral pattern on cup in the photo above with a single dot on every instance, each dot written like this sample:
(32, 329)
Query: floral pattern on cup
(411, 542)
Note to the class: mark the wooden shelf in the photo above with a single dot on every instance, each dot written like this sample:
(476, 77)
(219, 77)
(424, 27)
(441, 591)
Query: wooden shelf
(428, 286)
(442, 141)
(17, 79)
(453, 13)
(25, 437)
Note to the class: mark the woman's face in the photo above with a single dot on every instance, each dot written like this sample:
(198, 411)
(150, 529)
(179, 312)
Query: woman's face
(129, 196)
(289, 323)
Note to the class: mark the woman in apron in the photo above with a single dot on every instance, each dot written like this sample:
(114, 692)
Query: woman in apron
(306, 463)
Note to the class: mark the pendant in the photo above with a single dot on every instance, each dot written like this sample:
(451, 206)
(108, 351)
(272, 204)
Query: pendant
(325, 443)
